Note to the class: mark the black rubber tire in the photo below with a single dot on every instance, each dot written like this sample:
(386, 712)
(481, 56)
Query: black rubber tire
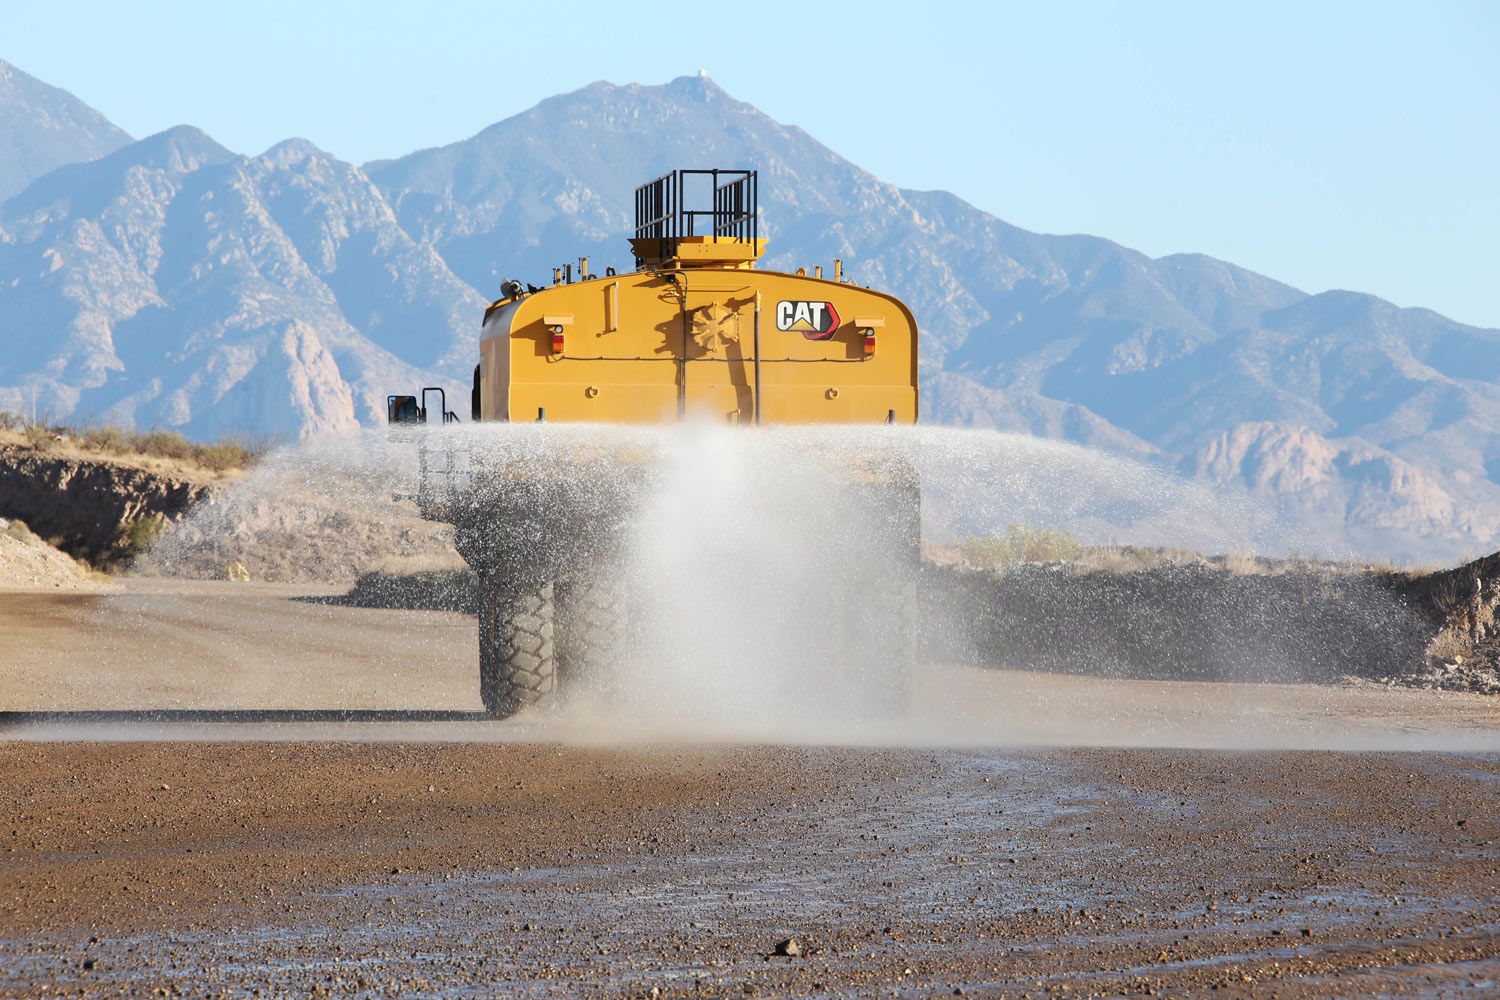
(592, 629)
(517, 656)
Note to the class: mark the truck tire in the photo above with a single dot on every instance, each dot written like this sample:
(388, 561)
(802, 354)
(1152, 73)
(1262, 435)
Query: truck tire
(517, 659)
(592, 628)
(875, 648)
(884, 634)
(889, 642)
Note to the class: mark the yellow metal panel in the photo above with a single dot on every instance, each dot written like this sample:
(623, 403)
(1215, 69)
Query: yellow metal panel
(619, 403)
(719, 401)
(656, 344)
(832, 404)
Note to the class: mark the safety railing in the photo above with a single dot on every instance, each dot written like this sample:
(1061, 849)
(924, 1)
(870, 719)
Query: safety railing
(662, 209)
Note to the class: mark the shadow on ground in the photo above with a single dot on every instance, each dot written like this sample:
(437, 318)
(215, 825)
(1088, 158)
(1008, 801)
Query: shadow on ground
(140, 716)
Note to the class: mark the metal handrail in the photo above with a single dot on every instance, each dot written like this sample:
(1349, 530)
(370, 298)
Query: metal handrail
(660, 211)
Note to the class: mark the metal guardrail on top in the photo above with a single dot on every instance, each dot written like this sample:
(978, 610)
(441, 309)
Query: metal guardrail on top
(660, 212)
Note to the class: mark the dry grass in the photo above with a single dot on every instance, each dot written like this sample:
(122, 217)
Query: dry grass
(220, 456)
(41, 438)
(1020, 544)
(1132, 558)
(227, 454)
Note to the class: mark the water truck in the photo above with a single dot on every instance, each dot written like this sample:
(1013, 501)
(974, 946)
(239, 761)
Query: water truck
(697, 331)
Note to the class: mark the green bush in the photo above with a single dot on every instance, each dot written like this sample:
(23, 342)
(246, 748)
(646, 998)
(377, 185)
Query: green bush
(1021, 544)
(138, 534)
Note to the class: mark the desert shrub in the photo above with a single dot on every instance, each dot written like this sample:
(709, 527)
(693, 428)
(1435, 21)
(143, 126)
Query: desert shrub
(226, 454)
(221, 456)
(1020, 544)
(103, 438)
(137, 534)
(41, 437)
(164, 444)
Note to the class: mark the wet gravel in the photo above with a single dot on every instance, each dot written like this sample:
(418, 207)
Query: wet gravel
(382, 869)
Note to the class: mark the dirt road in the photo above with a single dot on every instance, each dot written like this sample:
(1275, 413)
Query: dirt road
(1021, 839)
(468, 868)
(190, 659)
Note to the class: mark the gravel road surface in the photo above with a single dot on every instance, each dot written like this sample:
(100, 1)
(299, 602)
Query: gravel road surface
(318, 809)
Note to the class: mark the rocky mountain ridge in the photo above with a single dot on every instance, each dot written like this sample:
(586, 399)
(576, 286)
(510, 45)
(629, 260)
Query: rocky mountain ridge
(181, 285)
(188, 287)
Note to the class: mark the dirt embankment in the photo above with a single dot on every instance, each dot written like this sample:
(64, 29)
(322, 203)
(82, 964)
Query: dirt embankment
(333, 533)
(1207, 621)
(28, 563)
(1462, 606)
(86, 504)
(279, 520)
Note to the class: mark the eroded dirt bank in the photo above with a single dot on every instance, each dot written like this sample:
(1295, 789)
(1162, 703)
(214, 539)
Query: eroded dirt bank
(1195, 619)
(471, 869)
(82, 503)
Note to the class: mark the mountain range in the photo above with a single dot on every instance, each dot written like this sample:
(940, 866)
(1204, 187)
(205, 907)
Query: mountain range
(171, 282)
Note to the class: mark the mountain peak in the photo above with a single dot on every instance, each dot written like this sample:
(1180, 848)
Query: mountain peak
(293, 151)
(12, 78)
(698, 87)
(43, 127)
(180, 149)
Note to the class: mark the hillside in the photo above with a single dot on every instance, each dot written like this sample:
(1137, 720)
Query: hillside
(43, 128)
(182, 285)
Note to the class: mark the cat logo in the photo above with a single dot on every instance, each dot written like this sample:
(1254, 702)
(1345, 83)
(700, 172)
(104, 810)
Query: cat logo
(814, 320)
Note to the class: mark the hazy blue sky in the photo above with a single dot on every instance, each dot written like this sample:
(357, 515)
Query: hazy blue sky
(1331, 145)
